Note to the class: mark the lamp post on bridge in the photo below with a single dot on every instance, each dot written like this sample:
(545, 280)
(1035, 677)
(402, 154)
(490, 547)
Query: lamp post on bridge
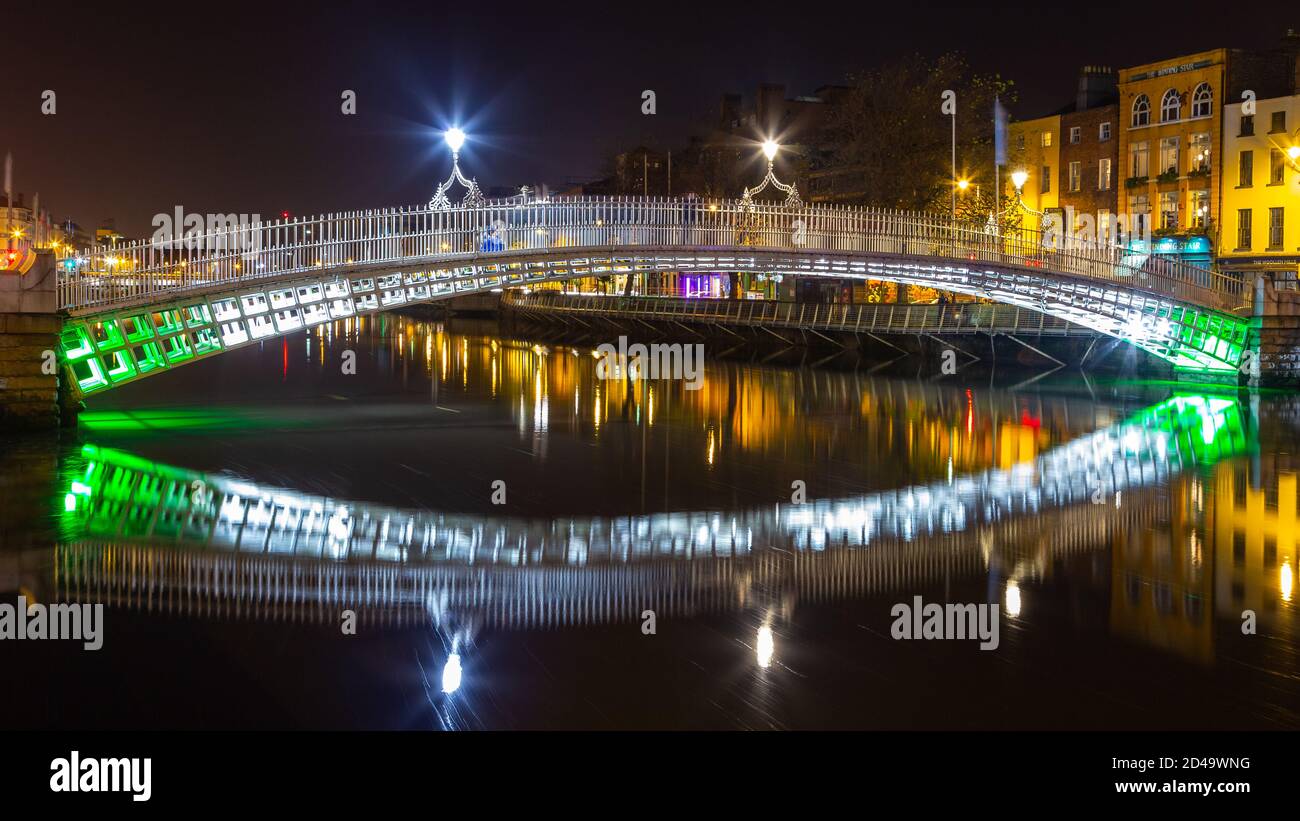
(748, 220)
(792, 199)
(455, 138)
(1018, 179)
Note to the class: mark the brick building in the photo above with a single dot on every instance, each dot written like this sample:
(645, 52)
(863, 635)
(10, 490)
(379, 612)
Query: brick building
(1089, 159)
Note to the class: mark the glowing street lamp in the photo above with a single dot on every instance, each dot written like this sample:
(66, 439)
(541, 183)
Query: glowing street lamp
(1018, 178)
(770, 148)
(963, 184)
(455, 139)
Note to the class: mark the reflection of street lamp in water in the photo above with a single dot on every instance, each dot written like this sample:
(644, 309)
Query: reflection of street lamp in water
(765, 646)
(451, 674)
(1013, 598)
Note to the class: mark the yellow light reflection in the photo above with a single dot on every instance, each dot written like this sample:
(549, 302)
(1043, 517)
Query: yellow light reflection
(765, 646)
(1013, 598)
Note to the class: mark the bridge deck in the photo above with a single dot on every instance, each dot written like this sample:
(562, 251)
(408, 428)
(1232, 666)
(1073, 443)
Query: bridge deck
(964, 318)
(143, 308)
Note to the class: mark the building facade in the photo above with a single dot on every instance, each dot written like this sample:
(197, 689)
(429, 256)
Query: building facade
(1176, 168)
(1170, 139)
(1035, 150)
(1089, 174)
(1089, 170)
(1261, 191)
(17, 220)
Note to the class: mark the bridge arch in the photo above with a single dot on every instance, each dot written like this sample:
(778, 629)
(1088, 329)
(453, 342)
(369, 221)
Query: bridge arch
(146, 308)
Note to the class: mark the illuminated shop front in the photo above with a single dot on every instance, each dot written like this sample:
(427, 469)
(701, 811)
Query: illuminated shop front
(1193, 250)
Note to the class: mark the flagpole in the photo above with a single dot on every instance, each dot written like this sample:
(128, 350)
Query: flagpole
(997, 196)
(999, 147)
(9, 199)
(952, 184)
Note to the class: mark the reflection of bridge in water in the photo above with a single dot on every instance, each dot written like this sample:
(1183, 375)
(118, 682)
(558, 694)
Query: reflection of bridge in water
(158, 537)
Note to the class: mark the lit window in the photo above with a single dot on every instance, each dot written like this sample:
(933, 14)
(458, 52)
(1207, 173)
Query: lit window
(1138, 157)
(1200, 151)
(1200, 207)
(1103, 132)
(1075, 134)
(1169, 209)
(1138, 209)
(1169, 155)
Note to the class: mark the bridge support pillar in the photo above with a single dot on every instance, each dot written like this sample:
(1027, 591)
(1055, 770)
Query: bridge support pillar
(29, 341)
(1275, 334)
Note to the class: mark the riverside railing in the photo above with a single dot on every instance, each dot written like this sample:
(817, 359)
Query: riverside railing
(499, 232)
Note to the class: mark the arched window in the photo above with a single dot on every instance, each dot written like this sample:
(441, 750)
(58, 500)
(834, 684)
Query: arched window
(1170, 106)
(1202, 100)
(1141, 111)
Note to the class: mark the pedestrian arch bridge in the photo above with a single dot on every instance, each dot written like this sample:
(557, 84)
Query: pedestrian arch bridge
(145, 308)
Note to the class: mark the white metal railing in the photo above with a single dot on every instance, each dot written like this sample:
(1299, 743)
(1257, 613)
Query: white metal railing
(502, 230)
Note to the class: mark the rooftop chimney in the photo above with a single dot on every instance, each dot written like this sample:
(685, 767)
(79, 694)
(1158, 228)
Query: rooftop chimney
(1097, 86)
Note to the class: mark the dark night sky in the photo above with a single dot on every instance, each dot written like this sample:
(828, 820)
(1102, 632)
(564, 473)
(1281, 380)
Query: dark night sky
(238, 110)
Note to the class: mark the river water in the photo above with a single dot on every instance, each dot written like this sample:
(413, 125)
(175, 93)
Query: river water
(470, 529)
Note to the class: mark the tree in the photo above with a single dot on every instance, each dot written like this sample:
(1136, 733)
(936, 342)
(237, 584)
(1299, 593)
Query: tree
(976, 210)
(889, 129)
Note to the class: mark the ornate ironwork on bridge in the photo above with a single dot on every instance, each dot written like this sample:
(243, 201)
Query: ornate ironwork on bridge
(473, 196)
